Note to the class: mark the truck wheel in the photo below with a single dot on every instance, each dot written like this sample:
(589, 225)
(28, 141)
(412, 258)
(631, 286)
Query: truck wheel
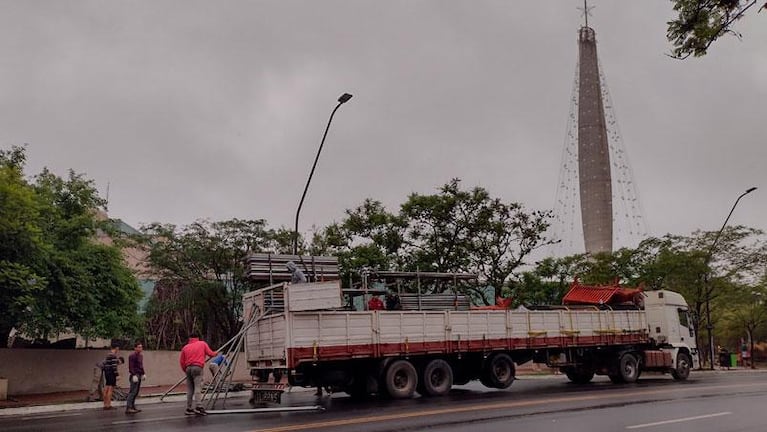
(629, 368)
(579, 376)
(437, 379)
(499, 372)
(401, 379)
(683, 364)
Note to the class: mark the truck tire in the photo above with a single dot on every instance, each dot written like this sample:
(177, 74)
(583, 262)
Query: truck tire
(437, 378)
(485, 380)
(499, 371)
(628, 368)
(683, 365)
(579, 376)
(401, 379)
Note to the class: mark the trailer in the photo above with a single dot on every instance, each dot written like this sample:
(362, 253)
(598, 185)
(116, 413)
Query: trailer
(306, 335)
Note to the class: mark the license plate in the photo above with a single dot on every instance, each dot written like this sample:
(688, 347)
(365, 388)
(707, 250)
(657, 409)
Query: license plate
(267, 396)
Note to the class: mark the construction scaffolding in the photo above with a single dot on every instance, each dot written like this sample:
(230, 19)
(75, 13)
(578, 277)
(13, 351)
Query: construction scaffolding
(221, 384)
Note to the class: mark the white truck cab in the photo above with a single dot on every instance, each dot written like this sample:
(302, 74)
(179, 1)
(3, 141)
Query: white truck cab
(669, 323)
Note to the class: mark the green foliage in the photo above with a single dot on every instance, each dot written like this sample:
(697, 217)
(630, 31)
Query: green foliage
(726, 275)
(203, 272)
(743, 314)
(52, 275)
(454, 230)
(701, 22)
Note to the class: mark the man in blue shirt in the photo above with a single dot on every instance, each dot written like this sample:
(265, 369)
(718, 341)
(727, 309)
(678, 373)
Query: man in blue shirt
(215, 364)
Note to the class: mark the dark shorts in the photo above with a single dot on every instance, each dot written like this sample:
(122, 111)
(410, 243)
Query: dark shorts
(111, 379)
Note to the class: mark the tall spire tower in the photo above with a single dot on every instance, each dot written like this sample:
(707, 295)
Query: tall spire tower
(597, 207)
(593, 149)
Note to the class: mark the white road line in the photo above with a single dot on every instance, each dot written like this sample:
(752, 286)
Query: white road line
(147, 420)
(678, 420)
(50, 416)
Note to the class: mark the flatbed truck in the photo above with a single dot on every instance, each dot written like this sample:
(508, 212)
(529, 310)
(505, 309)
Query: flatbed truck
(304, 335)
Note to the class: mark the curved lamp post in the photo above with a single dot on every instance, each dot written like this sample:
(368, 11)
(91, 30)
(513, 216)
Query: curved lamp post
(709, 326)
(341, 100)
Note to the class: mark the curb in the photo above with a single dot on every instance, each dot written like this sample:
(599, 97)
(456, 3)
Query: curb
(150, 399)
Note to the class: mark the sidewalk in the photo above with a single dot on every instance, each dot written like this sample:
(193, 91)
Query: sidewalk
(79, 399)
(76, 396)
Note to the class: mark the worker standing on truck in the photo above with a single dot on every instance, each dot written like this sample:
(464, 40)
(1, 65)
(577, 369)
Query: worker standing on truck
(296, 275)
(393, 302)
(192, 360)
(375, 303)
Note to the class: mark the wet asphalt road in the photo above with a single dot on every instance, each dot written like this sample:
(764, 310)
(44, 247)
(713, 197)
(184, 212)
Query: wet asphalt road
(707, 402)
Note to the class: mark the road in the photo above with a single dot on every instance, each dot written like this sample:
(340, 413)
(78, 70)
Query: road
(707, 402)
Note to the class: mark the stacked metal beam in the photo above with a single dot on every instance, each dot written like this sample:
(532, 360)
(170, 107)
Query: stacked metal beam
(272, 267)
(440, 302)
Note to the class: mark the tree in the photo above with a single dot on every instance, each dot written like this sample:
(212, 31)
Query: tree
(672, 262)
(21, 243)
(454, 230)
(202, 267)
(547, 283)
(746, 311)
(53, 275)
(701, 22)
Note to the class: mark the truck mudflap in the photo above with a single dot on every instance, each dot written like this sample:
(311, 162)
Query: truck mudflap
(267, 393)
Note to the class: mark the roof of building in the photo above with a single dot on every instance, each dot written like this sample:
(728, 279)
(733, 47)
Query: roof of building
(124, 228)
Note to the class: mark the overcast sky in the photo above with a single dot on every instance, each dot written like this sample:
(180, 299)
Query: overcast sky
(214, 109)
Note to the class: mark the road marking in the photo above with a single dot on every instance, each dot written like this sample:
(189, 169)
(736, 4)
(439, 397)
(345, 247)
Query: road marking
(493, 406)
(147, 420)
(50, 416)
(677, 420)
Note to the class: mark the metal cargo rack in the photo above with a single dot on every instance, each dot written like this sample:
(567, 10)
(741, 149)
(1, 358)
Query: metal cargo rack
(271, 268)
(421, 299)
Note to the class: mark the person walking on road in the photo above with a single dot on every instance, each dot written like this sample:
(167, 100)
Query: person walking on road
(110, 374)
(192, 361)
(136, 375)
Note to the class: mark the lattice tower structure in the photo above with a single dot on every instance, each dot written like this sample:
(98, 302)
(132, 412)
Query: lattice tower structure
(597, 205)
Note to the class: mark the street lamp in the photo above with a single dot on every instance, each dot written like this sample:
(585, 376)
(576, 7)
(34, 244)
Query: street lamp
(341, 100)
(709, 326)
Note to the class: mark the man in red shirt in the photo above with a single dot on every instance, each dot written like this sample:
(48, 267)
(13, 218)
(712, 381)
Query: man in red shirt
(375, 303)
(192, 361)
